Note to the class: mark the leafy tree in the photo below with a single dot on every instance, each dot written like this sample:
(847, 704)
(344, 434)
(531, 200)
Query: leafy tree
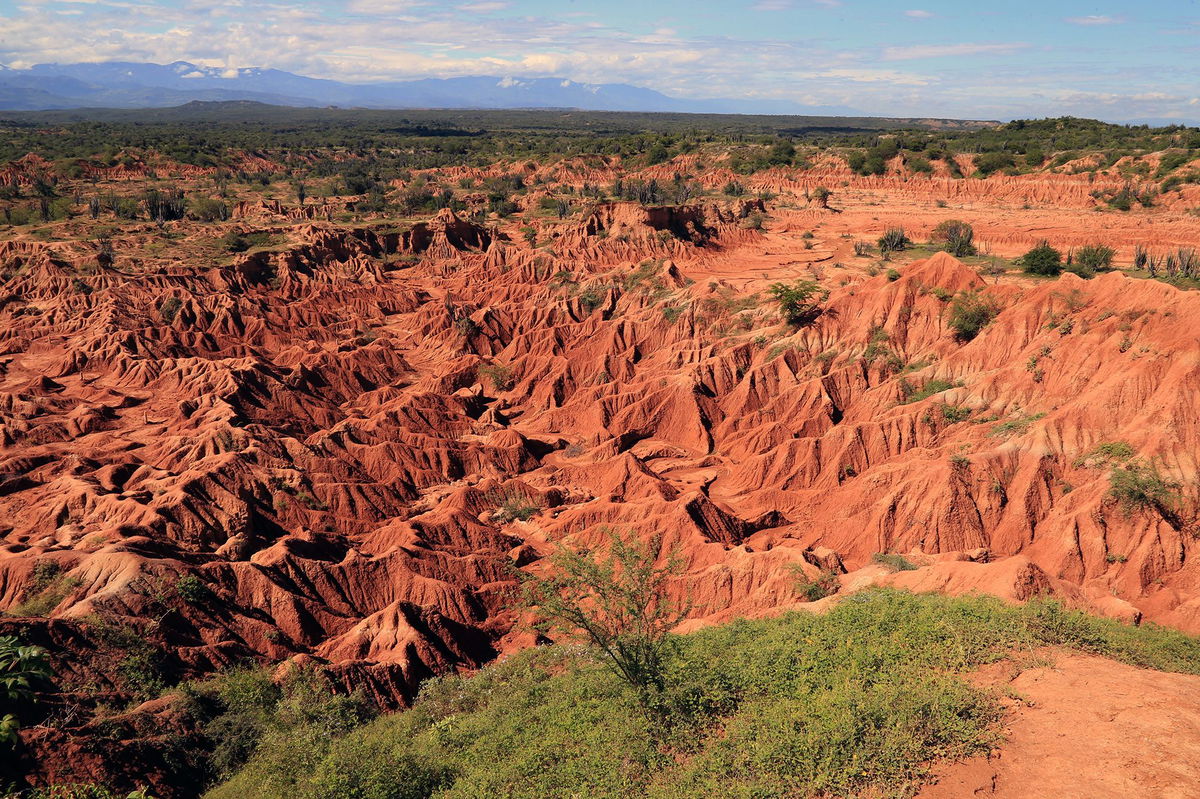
(1042, 260)
(618, 603)
(21, 667)
(799, 302)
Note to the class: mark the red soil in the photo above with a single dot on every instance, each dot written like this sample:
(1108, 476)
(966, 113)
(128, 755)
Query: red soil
(1088, 728)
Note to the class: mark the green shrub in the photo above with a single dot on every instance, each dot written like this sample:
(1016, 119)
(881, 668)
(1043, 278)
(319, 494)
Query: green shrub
(897, 563)
(955, 237)
(1042, 260)
(910, 393)
(987, 163)
(799, 302)
(208, 209)
(499, 375)
(168, 308)
(512, 506)
(1087, 261)
(893, 240)
(823, 585)
(971, 312)
(192, 589)
(1140, 486)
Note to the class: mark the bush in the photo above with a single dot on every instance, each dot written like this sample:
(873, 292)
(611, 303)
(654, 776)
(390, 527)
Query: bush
(897, 563)
(956, 238)
(499, 375)
(208, 209)
(991, 162)
(191, 589)
(970, 312)
(1042, 260)
(1087, 261)
(512, 506)
(799, 302)
(910, 393)
(1140, 486)
(168, 308)
(893, 240)
(823, 585)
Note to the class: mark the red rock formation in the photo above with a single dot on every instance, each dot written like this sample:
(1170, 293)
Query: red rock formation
(322, 436)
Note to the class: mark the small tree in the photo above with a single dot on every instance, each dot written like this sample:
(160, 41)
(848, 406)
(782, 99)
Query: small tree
(799, 302)
(820, 195)
(1042, 260)
(617, 604)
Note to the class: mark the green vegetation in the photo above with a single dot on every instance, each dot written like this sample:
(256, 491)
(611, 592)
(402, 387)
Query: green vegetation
(858, 701)
(499, 375)
(192, 589)
(169, 307)
(910, 393)
(815, 588)
(513, 505)
(799, 302)
(955, 237)
(21, 669)
(290, 725)
(1015, 426)
(971, 312)
(1042, 260)
(893, 240)
(1141, 486)
(618, 605)
(48, 587)
(897, 563)
(1088, 260)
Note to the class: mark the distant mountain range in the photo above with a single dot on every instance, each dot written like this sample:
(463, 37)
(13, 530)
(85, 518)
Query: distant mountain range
(120, 84)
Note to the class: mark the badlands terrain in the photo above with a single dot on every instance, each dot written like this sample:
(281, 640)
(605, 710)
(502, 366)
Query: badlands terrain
(295, 423)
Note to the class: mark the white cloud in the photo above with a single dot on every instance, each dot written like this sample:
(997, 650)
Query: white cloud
(919, 13)
(483, 7)
(1095, 19)
(911, 52)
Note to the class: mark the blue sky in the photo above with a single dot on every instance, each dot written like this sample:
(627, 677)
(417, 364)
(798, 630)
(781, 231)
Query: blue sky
(917, 57)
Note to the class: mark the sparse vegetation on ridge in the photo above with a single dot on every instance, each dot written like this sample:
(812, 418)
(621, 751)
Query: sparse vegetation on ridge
(863, 698)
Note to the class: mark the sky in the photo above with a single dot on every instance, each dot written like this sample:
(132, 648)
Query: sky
(999, 60)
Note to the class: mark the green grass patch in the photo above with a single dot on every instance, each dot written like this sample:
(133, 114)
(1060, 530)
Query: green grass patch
(859, 701)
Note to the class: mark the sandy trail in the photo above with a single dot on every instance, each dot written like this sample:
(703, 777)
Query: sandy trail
(1089, 728)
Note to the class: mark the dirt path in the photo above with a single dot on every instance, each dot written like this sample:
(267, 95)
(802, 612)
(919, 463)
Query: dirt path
(1089, 728)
